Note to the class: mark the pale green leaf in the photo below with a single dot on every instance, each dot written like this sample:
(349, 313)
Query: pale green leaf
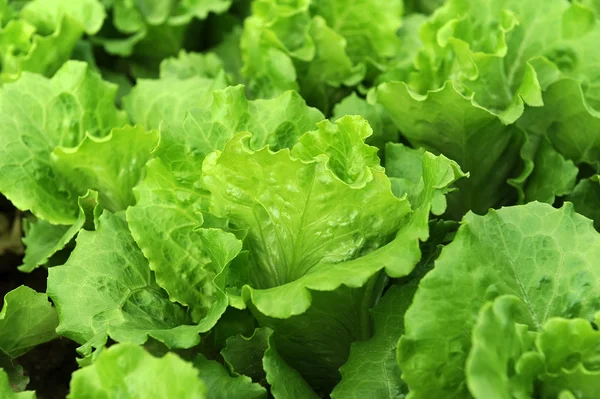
(301, 218)
(27, 319)
(127, 371)
(169, 99)
(473, 137)
(39, 114)
(106, 289)
(111, 165)
(170, 199)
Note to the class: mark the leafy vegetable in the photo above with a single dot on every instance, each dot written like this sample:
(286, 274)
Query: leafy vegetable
(298, 199)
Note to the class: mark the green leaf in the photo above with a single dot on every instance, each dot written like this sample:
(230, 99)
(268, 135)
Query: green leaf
(170, 199)
(39, 114)
(46, 14)
(258, 358)
(569, 121)
(127, 371)
(508, 361)
(371, 370)
(111, 165)
(497, 367)
(27, 319)
(44, 33)
(221, 385)
(369, 27)
(169, 99)
(544, 256)
(546, 175)
(383, 128)
(7, 392)
(301, 217)
(23, 48)
(106, 289)
(189, 65)
(43, 239)
(487, 50)
(586, 198)
(473, 137)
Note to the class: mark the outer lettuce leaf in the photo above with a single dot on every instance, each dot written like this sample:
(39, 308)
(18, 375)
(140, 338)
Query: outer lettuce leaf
(106, 289)
(171, 200)
(523, 251)
(127, 371)
(473, 137)
(43, 239)
(372, 370)
(221, 385)
(169, 99)
(111, 165)
(586, 198)
(39, 114)
(7, 392)
(27, 319)
(258, 358)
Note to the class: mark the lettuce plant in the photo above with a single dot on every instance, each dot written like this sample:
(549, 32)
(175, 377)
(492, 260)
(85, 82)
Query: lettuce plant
(297, 199)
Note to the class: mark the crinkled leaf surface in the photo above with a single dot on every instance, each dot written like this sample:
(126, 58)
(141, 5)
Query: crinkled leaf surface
(444, 121)
(303, 217)
(111, 165)
(39, 114)
(383, 127)
(168, 99)
(544, 256)
(127, 371)
(171, 200)
(369, 27)
(106, 289)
